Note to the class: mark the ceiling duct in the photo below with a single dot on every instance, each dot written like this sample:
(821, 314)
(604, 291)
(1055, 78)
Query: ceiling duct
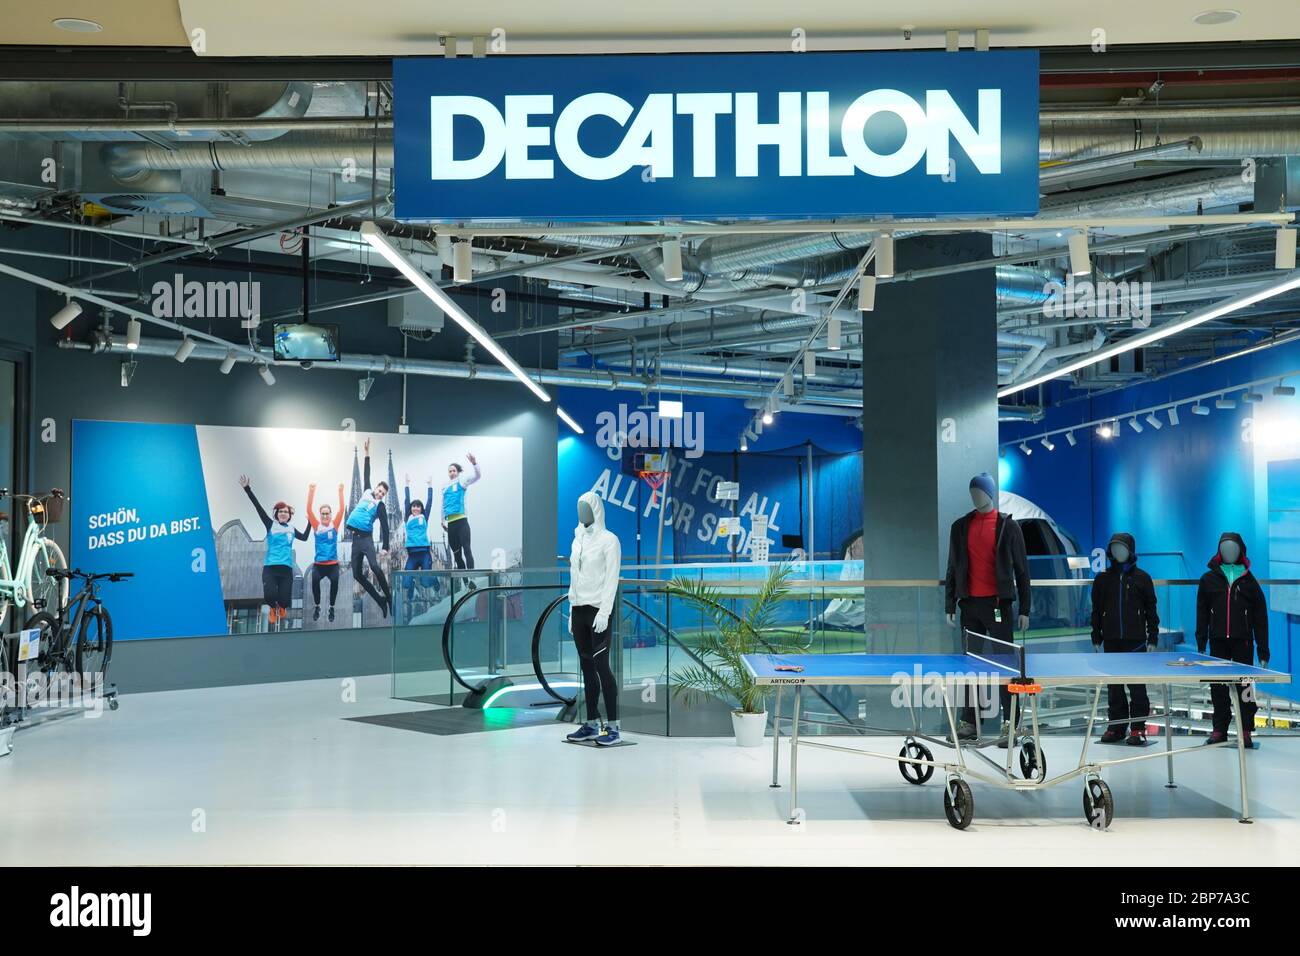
(105, 101)
(1221, 136)
(291, 151)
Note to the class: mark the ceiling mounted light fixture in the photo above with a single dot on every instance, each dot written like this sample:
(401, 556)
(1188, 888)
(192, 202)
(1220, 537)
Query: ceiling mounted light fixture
(133, 334)
(833, 334)
(1252, 398)
(1080, 261)
(564, 417)
(866, 293)
(398, 260)
(885, 256)
(1284, 249)
(1215, 18)
(1225, 403)
(1069, 437)
(672, 252)
(1048, 444)
(1154, 422)
(185, 349)
(264, 370)
(1283, 391)
(77, 25)
(65, 315)
(1199, 409)
(1135, 424)
(1173, 414)
(462, 261)
(1104, 430)
(228, 362)
(1026, 449)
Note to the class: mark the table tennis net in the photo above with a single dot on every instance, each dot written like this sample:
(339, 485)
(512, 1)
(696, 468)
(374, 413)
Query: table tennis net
(1004, 655)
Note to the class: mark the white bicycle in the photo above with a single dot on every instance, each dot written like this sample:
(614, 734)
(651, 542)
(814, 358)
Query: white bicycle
(30, 585)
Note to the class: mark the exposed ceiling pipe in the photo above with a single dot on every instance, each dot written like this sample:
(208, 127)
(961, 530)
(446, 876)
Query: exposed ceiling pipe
(1064, 173)
(387, 364)
(1024, 283)
(1083, 134)
(1185, 192)
(1060, 352)
(745, 368)
(292, 151)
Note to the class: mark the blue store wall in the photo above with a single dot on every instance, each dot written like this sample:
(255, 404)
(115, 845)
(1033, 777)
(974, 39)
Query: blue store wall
(582, 464)
(1178, 488)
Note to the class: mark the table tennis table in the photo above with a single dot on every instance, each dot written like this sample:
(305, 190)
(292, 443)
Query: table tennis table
(942, 678)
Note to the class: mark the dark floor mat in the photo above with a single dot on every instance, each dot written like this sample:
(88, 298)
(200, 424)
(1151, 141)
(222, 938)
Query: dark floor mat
(461, 720)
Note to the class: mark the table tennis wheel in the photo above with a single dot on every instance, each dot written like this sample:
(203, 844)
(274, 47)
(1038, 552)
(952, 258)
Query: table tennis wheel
(1031, 760)
(1098, 806)
(916, 773)
(958, 804)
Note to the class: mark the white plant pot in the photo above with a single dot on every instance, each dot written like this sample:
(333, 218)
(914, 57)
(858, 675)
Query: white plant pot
(749, 728)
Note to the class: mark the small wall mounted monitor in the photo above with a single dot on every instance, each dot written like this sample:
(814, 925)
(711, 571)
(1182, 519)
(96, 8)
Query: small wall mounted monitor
(310, 342)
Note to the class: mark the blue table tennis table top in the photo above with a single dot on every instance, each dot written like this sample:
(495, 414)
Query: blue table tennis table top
(1043, 668)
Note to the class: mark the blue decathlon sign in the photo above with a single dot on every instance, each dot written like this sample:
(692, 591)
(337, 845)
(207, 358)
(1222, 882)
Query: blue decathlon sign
(717, 136)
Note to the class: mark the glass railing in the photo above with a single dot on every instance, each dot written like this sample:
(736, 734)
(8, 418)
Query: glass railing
(510, 629)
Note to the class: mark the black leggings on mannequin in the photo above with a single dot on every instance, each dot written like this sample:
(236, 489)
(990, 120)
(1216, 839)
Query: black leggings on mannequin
(593, 653)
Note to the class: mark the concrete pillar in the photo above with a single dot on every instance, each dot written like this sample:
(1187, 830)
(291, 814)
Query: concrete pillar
(930, 417)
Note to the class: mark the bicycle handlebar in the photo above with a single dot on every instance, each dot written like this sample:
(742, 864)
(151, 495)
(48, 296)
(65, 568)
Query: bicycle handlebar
(87, 576)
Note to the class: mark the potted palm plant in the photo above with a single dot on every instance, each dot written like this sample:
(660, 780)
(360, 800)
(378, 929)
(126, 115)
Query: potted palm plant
(719, 671)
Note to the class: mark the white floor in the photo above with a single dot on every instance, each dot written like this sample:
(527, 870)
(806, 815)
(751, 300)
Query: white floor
(274, 774)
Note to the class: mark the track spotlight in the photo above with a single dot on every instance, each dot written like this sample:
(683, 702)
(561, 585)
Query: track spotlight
(184, 349)
(1224, 403)
(672, 252)
(1283, 391)
(744, 443)
(866, 293)
(133, 334)
(767, 416)
(1252, 398)
(1026, 449)
(264, 370)
(228, 362)
(1136, 425)
(1080, 263)
(1048, 444)
(1069, 437)
(833, 334)
(810, 364)
(1173, 414)
(1104, 430)
(65, 315)
(1154, 422)
(1284, 251)
(1199, 409)
(462, 261)
(787, 384)
(884, 256)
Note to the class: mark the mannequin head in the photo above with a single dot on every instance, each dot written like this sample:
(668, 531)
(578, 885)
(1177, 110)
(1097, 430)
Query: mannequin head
(1231, 548)
(585, 515)
(1121, 549)
(984, 492)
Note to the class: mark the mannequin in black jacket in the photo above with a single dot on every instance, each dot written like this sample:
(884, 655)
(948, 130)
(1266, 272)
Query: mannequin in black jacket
(1231, 616)
(1124, 619)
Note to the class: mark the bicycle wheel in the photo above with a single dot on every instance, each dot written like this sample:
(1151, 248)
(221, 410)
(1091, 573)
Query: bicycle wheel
(44, 592)
(94, 643)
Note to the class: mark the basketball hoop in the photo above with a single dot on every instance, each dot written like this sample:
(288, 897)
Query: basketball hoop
(655, 479)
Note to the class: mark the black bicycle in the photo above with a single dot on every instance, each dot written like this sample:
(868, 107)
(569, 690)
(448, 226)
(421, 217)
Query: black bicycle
(84, 615)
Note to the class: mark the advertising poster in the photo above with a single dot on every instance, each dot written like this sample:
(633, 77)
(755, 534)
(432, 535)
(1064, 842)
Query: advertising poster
(169, 503)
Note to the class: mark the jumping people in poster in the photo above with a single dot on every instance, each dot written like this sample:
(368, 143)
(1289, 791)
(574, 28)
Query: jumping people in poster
(454, 521)
(326, 564)
(277, 572)
(361, 523)
(419, 557)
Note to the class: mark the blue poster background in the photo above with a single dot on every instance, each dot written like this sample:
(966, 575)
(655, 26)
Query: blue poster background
(152, 477)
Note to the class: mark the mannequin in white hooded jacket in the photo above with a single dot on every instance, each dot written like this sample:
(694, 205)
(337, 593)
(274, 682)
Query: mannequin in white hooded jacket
(594, 562)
